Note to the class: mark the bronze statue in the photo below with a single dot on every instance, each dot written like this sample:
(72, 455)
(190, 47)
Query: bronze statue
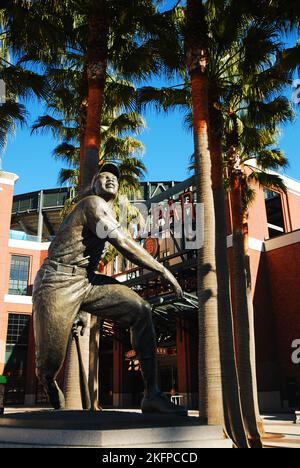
(69, 284)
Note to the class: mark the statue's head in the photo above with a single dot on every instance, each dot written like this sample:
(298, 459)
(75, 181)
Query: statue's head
(106, 183)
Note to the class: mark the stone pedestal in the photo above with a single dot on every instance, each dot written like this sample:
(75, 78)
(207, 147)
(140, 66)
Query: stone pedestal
(108, 429)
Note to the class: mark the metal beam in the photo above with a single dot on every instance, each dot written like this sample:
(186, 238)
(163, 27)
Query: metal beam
(41, 217)
(172, 192)
(25, 228)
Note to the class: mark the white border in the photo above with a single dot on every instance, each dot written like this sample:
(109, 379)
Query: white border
(28, 245)
(12, 299)
(8, 178)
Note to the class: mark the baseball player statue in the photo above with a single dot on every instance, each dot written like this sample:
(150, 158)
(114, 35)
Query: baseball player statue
(69, 284)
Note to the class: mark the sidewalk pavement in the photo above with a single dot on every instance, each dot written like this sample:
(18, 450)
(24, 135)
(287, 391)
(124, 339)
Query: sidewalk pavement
(281, 431)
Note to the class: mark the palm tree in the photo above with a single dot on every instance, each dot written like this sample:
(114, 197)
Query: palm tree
(197, 63)
(253, 74)
(256, 141)
(98, 36)
(216, 334)
(110, 35)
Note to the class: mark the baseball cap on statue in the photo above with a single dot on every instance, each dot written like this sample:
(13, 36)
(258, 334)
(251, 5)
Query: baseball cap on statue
(110, 167)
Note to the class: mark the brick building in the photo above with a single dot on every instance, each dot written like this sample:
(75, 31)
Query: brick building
(27, 224)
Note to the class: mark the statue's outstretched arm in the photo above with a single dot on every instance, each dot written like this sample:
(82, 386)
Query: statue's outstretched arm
(102, 222)
(136, 254)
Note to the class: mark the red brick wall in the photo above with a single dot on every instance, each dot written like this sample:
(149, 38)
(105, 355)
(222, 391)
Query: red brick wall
(265, 333)
(284, 273)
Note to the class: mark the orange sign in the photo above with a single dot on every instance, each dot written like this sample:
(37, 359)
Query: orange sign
(152, 246)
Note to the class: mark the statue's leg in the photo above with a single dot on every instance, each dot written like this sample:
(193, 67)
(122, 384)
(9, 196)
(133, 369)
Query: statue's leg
(54, 310)
(120, 304)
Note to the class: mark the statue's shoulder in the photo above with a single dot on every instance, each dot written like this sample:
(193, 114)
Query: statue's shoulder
(93, 202)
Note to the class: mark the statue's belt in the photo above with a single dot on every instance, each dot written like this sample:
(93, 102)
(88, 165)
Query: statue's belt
(72, 270)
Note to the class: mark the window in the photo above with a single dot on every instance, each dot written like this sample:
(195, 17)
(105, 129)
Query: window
(19, 275)
(16, 357)
(17, 331)
(275, 214)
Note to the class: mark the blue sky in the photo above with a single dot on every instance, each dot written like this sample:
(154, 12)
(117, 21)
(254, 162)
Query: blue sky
(168, 149)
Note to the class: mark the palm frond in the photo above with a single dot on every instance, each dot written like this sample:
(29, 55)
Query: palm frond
(11, 113)
(268, 181)
(47, 123)
(68, 153)
(69, 177)
(271, 159)
(124, 123)
(163, 99)
(272, 113)
(120, 148)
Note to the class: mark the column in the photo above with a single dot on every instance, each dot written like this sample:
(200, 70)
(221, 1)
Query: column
(187, 359)
(7, 183)
(118, 357)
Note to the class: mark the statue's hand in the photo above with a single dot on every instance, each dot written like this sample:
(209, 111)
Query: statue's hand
(81, 321)
(170, 279)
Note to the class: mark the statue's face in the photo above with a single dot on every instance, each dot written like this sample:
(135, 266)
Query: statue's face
(106, 186)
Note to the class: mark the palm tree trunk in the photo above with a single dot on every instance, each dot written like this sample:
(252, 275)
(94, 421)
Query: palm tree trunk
(210, 385)
(244, 317)
(230, 385)
(82, 153)
(259, 420)
(83, 122)
(97, 57)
